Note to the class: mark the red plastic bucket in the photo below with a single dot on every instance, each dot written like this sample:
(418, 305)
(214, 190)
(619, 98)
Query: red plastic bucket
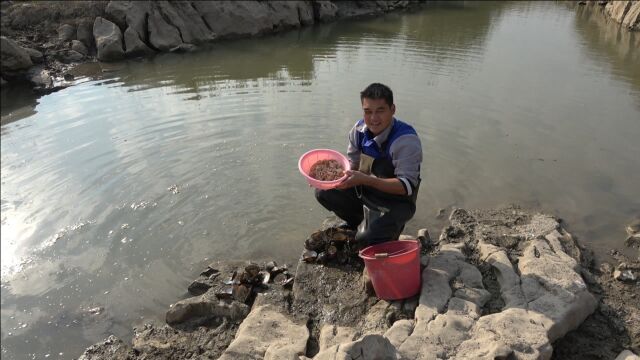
(394, 268)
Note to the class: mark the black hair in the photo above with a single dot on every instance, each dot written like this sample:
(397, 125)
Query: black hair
(377, 91)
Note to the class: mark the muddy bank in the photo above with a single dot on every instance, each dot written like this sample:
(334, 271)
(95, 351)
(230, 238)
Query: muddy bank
(502, 283)
(42, 40)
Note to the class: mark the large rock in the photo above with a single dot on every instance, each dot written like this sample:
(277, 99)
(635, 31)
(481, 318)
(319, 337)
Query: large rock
(79, 46)
(66, 32)
(188, 21)
(359, 8)
(204, 307)
(162, 35)
(543, 294)
(331, 335)
(285, 14)
(632, 18)
(228, 19)
(627, 355)
(108, 39)
(618, 9)
(36, 56)
(130, 14)
(324, 10)
(267, 333)
(13, 57)
(85, 34)
(134, 46)
(369, 347)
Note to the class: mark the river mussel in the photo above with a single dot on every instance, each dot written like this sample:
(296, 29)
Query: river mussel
(332, 244)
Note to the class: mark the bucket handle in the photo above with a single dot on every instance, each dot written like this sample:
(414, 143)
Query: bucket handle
(386, 254)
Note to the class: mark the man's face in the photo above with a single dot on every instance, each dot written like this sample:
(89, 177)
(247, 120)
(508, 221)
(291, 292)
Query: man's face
(377, 114)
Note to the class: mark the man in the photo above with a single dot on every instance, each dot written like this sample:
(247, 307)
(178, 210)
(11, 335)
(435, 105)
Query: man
(385, 155)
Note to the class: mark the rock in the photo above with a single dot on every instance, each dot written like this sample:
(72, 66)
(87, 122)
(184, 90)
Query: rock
(348, 9)
(624, 275)
(112, 348)
(545, 295)
(184, 48)
(632, 20)
(306, 13)
(108, 39)
(269, 334)
(324, 11)
(476, 296)
(71, 56)
(379, 318)
(606, 268)
(134, 46)
(116, 12)
(285, 14)
(131, 14)
(13, 57)
(36, 56)
(80, 47)
(633, 227)
(553, 287)
(3, 82)
(204, 307)
(183, 16)
(162, 35)
(331, 335)
(241, 18)
(84, 34)
(627, 355)
(618, 9)
(201, 285)
(513, 333)
(39, 77)
(633, 241)
(369, 347)
(66, 32)
(425, 238)
(399, 332)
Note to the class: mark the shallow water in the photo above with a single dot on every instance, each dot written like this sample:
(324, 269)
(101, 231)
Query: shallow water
(116, 191)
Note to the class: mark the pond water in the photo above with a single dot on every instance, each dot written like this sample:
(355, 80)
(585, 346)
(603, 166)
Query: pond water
(117, 191)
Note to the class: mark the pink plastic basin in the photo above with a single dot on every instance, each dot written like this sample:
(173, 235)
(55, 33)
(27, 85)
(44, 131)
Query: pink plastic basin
(311, 157)
(394, 268)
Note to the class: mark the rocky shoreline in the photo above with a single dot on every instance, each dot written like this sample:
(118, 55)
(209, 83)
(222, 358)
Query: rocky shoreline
(497, 284)
(43, 40)
(626, 13)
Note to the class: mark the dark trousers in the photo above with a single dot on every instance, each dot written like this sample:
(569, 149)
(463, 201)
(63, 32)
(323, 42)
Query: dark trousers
(348, 206)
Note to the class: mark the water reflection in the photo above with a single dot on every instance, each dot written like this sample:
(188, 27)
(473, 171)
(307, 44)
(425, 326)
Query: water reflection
(610, 45)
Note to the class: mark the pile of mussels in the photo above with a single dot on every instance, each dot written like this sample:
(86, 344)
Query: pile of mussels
(241, 284)
(332, 244)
